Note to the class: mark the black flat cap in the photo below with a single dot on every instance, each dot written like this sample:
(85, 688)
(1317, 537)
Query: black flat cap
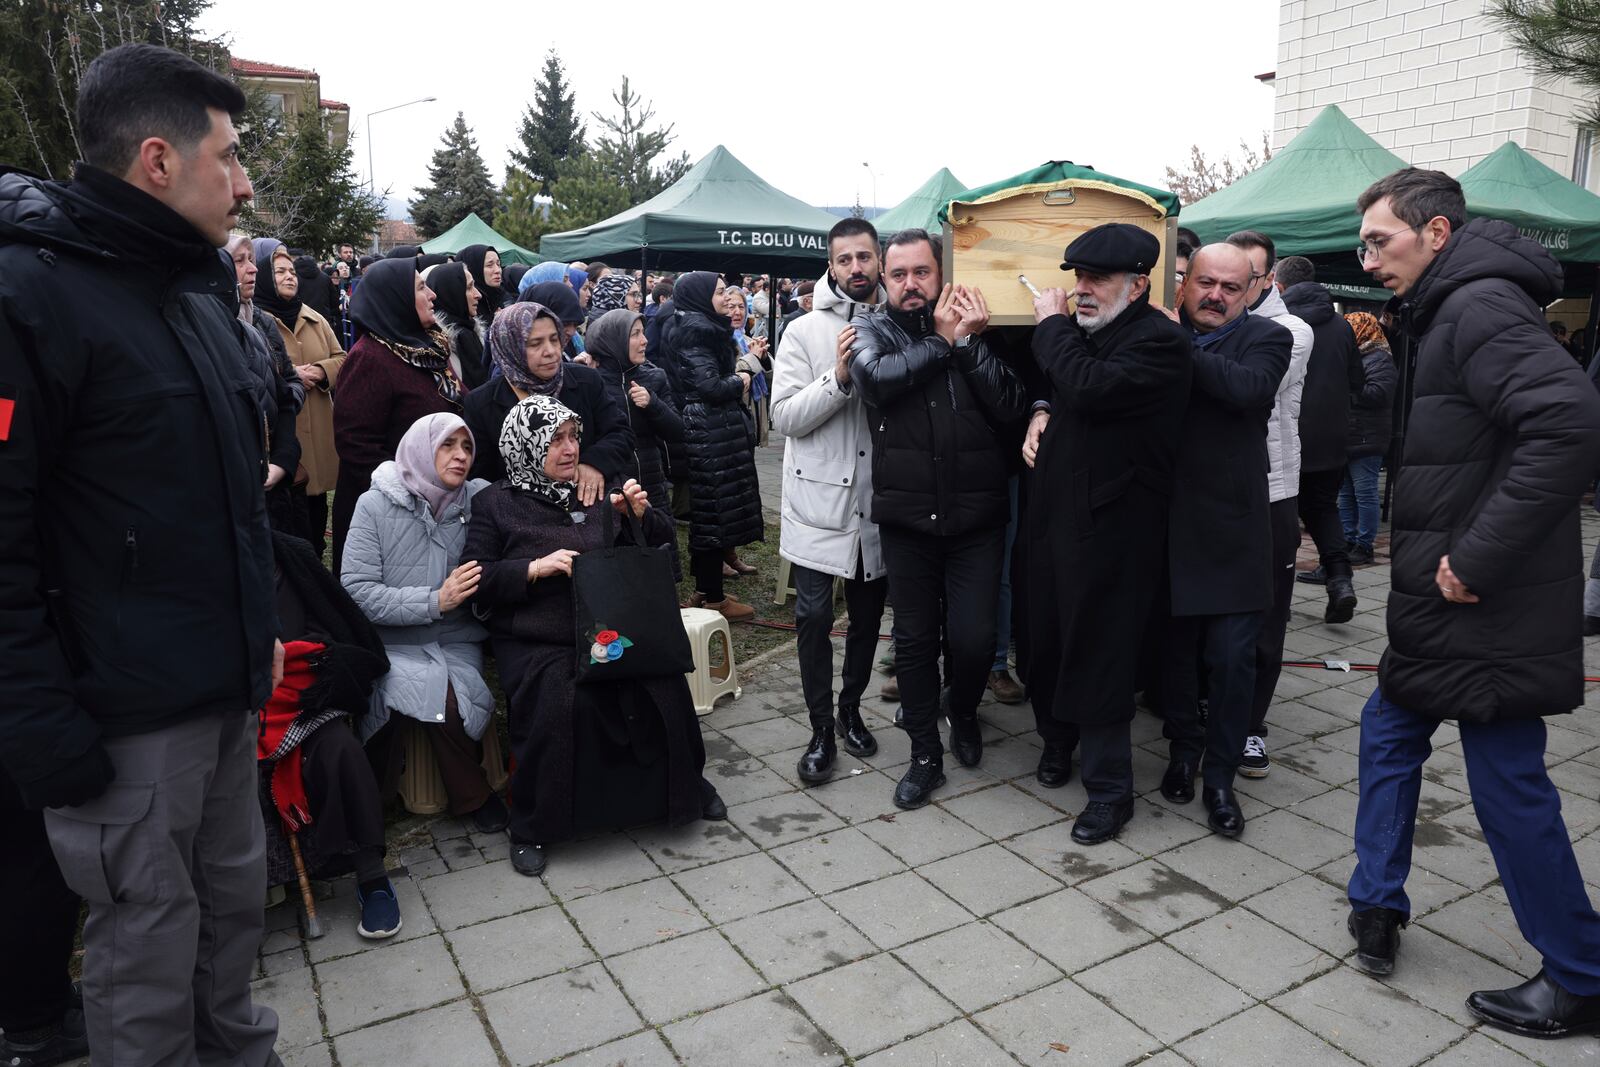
(1113, 248)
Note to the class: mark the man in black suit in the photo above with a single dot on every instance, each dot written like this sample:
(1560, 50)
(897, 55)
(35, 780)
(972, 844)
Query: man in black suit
(1219, 533)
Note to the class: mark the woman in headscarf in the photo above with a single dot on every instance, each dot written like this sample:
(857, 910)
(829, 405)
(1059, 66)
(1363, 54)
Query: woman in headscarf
(558, 297)
(403, 567)
(525, 344)
(724, 495)
(616, 344)
(510, 278)
(752, 361)
(484, 263)
(608, 294)
(541, 273)
(578, 278)
(455, 307)
(1371, 424)
(595, 757)
(398, 371)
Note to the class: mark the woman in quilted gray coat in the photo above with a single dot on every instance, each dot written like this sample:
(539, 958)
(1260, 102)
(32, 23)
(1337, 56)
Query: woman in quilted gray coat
(402, 566)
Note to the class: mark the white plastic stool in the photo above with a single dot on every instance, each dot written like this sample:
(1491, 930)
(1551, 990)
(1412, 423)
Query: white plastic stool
(785, 588)
(707, 631)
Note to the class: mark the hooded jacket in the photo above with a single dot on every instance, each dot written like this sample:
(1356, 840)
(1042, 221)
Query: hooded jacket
(827, 452)
(1372, 411)
(1333, 377)
(1504, 437)
(1283, 425)
(136, 574)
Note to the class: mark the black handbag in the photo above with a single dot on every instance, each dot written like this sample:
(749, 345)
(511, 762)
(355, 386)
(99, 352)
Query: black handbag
(625, 609)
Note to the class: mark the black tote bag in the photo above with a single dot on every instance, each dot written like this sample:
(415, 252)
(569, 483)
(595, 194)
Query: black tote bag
(625, 608)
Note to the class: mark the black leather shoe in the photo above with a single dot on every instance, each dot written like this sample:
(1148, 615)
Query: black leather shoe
(1377, 934)
(1591, 625)
(1341, 600)
(491, 818)
(1222, 811)
(924, 776)
(1055, 765)
(528, 859)
(816, 764)
(1538, 1007)
(712, 807)
(1315, 576)
(68, 1040)
(966, 741)
(853, 733)
(1177, 785)
(1100, 821)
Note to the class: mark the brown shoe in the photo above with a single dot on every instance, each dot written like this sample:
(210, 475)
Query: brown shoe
(731, 609)
(890, 690)
(728, 571)
(1005, 688)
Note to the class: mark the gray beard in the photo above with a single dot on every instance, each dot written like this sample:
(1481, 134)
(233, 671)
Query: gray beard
(1108, 314)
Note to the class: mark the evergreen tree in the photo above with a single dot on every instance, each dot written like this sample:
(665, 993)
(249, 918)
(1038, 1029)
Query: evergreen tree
(587, 189)
(307, 194)
(629, 148)
(1559, 39)
(550, 130)
(458, 184)
(520, 213)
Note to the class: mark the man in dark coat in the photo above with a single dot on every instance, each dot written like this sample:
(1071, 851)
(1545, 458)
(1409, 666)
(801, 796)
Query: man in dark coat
(137, 620)
(1119, 374)
(936, 395)
(1484, 610)
(1220, 531)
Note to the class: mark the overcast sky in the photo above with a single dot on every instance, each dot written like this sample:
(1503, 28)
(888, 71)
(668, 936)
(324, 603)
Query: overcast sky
(802, 93)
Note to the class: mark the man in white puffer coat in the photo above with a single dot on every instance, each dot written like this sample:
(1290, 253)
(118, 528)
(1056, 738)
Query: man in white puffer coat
(1283, 487)
(827, 528)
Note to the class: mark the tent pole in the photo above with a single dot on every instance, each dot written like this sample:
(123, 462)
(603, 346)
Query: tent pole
(1593, 325)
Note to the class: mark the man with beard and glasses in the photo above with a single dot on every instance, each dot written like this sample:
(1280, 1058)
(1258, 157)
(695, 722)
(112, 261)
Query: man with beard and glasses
(1219, 553)
(1118, 373)
(827, 492)
(936, 397)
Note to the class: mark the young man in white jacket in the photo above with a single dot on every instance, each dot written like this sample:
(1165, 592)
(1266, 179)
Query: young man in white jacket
(827, 528)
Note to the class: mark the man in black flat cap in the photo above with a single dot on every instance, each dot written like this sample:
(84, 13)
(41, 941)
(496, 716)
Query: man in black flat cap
(1103, 451)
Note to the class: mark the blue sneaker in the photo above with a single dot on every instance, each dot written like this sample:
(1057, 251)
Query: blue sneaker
(380, 912)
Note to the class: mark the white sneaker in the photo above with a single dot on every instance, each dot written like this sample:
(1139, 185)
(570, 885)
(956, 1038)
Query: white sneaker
(1255, 764)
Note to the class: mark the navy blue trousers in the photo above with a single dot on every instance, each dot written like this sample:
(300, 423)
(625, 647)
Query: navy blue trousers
(1519, 810)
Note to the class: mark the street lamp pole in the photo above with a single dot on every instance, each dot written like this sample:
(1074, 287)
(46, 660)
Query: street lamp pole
(874, 183)
(372, 181)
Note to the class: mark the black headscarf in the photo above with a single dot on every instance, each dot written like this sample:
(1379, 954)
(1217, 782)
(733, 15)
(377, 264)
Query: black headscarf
(449, 284)
(509, 277)
(267, 298)
(316, 291)
(403, 252)
(559, 298)
(430, 259)
(385, 305)
(489, 296)
(696, 292)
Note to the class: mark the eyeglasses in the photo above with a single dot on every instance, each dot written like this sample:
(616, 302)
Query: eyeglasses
(1373, 248)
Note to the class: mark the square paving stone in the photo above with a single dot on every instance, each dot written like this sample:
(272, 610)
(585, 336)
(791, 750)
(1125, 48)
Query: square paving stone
(397, 979)
(769, 736)
(689, 974)
(1282, 788)
(988, 879)
(1052, 850)
(1003, 811)
(341, 914)
(517, 948)
(563, 1013)
(1231, 869)
(1261, 1037)
(1453, 846)
(641, 1050)
(1153, 830)
(1258, 957)
(1164, 993)
(596, 865)
(1296, 840)
(678, 848)
(1303, 719)
(735, 888)
(895, 910)
(1063, 1026)
(720, 749)
(1016, 757)
(1335, 809)
(958, 1043)
(1367, 1019)
(922, 836)
(1071, 930)
(838, 859)
(1315, 910)
(1155, 896)
(1483, 922)
(451, 1034)
(856, 797)
(1440, 974)
(798, 941)
(1567, 1052)
(293, 997)
(484, 892)
(634, 916)
(781, 819)
(1428, 891)
(745, 780)
(901, 1005)
(1479, 1051)
(318, 1055)
(768, 1029)
(977, 965)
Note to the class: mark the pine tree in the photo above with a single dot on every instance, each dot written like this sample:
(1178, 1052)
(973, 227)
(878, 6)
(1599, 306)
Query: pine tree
(307, 194)
(587, 189)
(1558, 39)
(629, 148)
(550, 130)
(520, 213)
(458, 184)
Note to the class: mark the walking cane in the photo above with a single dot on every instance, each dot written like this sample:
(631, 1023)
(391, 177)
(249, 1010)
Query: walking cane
(313, 924)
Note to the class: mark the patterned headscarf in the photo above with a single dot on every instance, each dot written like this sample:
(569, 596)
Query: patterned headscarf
(1367, 330)
(525, 439)
(508, 344)
(609, 294)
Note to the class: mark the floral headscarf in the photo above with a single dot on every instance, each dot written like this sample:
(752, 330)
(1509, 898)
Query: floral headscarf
(508, 345)
(525, 439)
(1368, 332)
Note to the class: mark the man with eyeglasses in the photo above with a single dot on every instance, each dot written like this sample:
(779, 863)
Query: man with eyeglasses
(1219, 532)
(1486, 598)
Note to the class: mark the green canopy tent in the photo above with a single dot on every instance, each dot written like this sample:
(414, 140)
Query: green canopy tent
(920, 210)
(474, 231)
(718, 216)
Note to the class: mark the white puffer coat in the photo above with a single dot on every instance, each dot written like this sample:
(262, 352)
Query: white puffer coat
(1283, 425)
(395, 559)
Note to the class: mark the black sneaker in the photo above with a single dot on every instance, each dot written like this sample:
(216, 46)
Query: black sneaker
(1377, 934)
(1254, 762)
(1314, 576)
(492, 817)
(1359, 554)
(921, 779)
(67, 1040)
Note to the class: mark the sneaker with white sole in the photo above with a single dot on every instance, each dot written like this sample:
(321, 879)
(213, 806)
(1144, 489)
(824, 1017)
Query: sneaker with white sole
(1254, 763)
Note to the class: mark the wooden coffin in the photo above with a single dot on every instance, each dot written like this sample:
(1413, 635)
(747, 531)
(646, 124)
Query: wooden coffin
(1025, 230)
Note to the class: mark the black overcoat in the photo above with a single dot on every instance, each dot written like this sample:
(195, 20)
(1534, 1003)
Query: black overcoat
(724, 495)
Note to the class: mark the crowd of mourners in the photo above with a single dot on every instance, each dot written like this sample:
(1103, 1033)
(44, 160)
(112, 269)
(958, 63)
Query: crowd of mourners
(265, 526)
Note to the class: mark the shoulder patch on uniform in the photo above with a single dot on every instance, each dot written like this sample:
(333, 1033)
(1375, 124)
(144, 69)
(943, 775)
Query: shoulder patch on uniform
(8, 408)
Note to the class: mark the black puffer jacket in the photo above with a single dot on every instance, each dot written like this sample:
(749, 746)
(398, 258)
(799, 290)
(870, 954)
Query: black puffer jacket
(1504, 437)
(1372, 414)
(279, 391)
(130, 477)
(1333, 377)
(653, 427)
(724, 495)
(606, 444)
(939, 418)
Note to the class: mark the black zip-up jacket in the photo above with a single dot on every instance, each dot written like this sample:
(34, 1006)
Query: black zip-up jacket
(136, 575)
(1334, 377)
(941, 418)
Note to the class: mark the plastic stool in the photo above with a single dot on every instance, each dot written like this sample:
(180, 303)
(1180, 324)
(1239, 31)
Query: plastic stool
(785, 588)
(421, 787)
(707, 684)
